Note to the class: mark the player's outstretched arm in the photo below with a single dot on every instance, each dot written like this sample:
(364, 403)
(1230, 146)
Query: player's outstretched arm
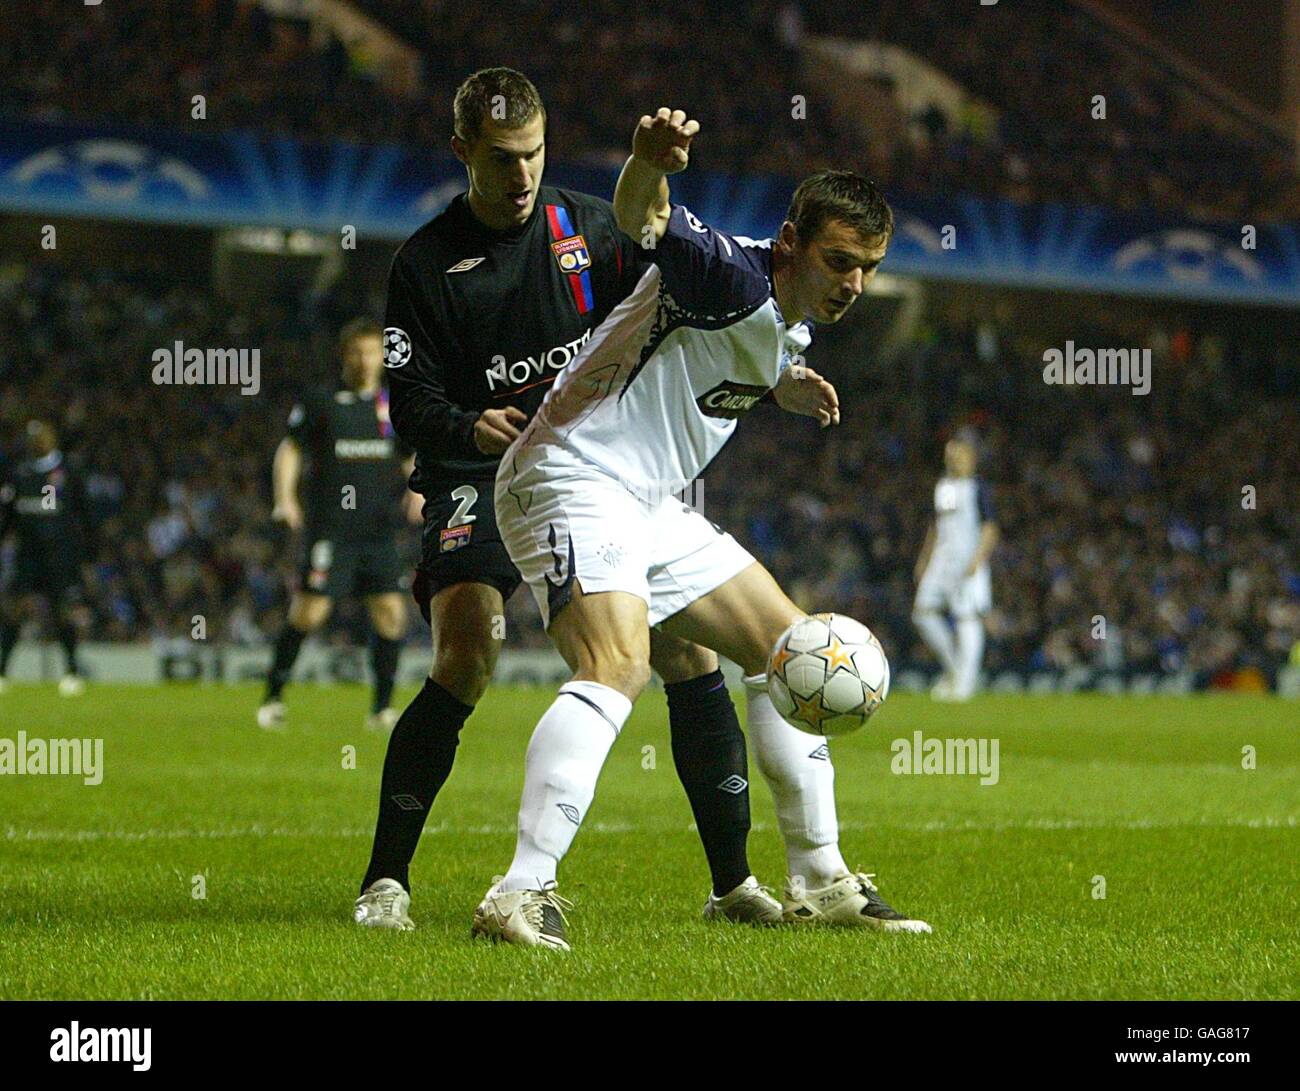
(660, 147)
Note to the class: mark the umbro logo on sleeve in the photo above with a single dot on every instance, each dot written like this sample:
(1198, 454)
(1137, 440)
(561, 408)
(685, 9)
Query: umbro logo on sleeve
(463, 266)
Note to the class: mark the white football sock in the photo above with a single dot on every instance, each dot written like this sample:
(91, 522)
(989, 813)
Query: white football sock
(565, 756)
(970, 652)
(935, 632)
(798, 770)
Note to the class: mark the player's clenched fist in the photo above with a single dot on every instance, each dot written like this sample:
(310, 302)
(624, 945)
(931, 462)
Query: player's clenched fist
(497, 429)
(664, 141)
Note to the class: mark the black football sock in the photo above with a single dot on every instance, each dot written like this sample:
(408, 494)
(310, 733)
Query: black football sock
(287, 646)
(420, 754)
(709, 752)
(68, 642)
(384, 654)
(8, 639)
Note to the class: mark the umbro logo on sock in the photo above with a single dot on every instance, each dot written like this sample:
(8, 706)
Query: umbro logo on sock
(569, 811)
(822, 753)
(408, 802)
(734, 784)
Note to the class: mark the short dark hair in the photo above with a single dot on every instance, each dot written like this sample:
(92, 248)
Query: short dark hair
(357, 328)
(503, 94)
(840, 195)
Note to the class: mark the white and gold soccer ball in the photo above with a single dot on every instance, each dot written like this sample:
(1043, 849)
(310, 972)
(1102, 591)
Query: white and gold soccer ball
(827, 675)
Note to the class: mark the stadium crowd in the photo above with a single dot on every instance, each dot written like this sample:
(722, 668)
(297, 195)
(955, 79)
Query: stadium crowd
(1131, 508)
(1036, 64)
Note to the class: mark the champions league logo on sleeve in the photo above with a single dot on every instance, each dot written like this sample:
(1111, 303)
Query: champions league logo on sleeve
(397, 347)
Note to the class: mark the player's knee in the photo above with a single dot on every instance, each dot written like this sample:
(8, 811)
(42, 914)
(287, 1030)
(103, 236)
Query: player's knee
(309, 613)
(623, 671)
(389, 617)
(757, 649)
(463, 663)
(681, 664)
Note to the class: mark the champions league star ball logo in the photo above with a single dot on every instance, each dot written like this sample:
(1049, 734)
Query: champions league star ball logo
(397, 347)
(1187, 256)
(112, 170)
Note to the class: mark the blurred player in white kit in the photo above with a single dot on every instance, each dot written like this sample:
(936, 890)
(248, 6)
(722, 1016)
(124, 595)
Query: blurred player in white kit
(952, 573)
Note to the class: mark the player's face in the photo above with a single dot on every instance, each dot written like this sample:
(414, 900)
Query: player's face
(832, 270)
(40, 439)
(959, 458)
(505, 171)
(363, 362)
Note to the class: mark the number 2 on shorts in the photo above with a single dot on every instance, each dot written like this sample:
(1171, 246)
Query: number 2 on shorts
(468, 497)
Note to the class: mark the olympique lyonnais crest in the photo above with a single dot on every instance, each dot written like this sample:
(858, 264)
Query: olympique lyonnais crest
(454, 537)
(572, 254)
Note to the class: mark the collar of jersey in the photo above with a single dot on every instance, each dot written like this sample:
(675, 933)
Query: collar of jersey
(508, 237)
(771, 284)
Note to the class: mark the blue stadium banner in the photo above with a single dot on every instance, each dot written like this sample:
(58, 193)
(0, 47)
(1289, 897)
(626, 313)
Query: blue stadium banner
(386, 192)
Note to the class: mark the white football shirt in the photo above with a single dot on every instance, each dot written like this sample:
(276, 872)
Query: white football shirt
(961, 506)
(656, 392)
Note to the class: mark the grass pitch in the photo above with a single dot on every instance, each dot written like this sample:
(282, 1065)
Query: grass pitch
(1200, 857)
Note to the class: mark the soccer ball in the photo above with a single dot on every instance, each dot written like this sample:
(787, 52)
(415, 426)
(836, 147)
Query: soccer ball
(827, 675)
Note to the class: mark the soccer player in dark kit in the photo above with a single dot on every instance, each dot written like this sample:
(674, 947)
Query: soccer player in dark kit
(42, 503)
(487, 303)
(349, 519)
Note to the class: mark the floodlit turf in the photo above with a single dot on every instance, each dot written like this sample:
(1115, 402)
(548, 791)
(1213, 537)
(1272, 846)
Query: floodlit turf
(1200, 857)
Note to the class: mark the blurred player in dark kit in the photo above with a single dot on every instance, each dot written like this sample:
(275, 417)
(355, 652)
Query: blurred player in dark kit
(349, 519)
(44, 506)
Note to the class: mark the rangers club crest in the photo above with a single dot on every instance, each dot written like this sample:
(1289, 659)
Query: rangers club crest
(571, 253)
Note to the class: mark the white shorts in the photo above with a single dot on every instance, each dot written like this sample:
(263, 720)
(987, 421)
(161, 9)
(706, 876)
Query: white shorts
(962, 596)
(565, 520)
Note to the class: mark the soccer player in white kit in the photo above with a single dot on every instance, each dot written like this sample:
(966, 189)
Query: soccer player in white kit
(952, 573)
(586, 505)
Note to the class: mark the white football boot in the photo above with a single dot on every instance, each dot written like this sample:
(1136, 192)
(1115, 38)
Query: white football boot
(270, 717)
(851, 901)
(963, 688)
(384, 905)
(528, 918)
(383, 721)
(942, 689)
(749, 903)
(71, 685)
